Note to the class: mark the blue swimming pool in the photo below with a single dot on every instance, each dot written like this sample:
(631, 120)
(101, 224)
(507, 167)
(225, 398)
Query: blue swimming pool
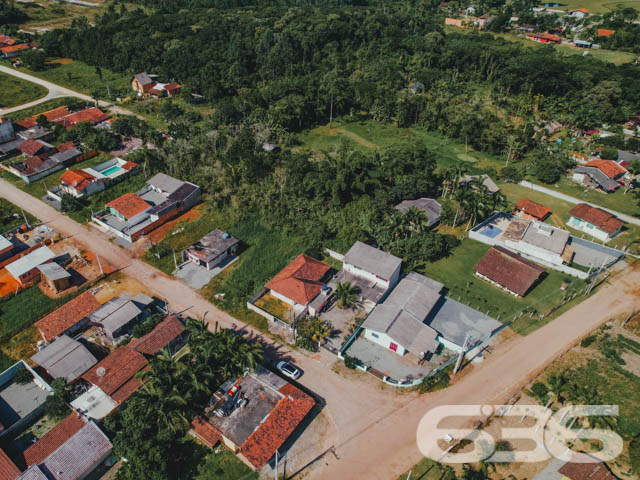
(111, 170)
(491, 231)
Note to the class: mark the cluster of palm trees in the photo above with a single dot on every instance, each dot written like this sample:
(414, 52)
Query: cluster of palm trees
(346, 295)
(474, 201)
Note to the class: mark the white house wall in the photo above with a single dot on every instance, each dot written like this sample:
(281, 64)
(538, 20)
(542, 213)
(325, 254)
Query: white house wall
(383, 340)
(372, 277)
(281, 297)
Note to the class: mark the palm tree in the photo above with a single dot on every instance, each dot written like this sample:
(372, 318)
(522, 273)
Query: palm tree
(321, 330)
(557, 383)
(416, 220)
(346, 294)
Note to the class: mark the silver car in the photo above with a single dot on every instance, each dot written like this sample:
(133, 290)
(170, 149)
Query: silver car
(288, 370)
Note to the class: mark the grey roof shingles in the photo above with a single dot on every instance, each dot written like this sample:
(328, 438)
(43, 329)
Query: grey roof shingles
(372, 260)
(212, 245)
(599, 177)
(80, 455)
(546, 237)
(427, 205)
(165, 183)
(143, 78)
(33, 473)
(65, 358)
(116, 313)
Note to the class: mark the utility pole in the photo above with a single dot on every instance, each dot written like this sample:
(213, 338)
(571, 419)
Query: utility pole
(462, 353)
(99, 264)
(409, 475)
(276, 472)
(174, 259)
(595, 278)
(25, 218)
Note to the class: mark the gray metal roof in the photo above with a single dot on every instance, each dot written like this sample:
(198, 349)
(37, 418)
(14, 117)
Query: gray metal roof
(427, 205)
(80, 455)
(116, 313)
(66, 358)
(143, 299)
(65, 156)
(53, 271)
(402, 314)
(11, 145)
(372, 260)
(546, 237)
(486, 181)
(212, 245)
(599, 177)
(4, 243)
(30, 261)
(454, 320)
(143, 78)
(628, 156)
(165, 183)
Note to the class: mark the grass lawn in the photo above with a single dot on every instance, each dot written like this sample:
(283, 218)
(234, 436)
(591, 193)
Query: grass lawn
(427, 469)
(11, 216)
(369, 135)
(21, 311)
(15, 91)
(560, 208)
(223, 465)
(598, 6)
(43, 107)
(84, 78)
(95, 202)
(151, 110)
(457, 274)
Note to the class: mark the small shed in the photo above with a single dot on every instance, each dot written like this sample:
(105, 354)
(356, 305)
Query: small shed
(56, 277)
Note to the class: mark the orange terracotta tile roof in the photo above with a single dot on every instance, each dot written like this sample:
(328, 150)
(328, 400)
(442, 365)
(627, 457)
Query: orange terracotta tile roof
(92, 115)
(591, 470)
(281, 422)
(546, 36)
(63, 147)
(126, 390)
(78, 179)
(583, 10)
(128, 166)
(15, 48)
(602, 219)
(50, 115)
(31, 146)
(300, 280)
(67, 315)
(509, 269)
(8, 470)
(205, 431)
(129, 205)
(119, 367)
(604, 32)
(161, 336)
(53, 439)
(534, 209)
(610, 168)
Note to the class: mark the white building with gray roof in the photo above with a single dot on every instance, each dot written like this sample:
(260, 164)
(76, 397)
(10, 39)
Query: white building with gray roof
(120, 314)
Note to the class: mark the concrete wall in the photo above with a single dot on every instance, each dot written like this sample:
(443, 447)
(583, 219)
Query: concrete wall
(589, 228)
(383, 340)
(282, 298)
(385, 283)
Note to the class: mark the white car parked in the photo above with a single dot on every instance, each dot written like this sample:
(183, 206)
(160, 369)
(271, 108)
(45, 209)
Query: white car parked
(288, 370)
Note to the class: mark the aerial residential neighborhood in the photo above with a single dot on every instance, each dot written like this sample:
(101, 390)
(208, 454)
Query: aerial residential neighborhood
(321, 240)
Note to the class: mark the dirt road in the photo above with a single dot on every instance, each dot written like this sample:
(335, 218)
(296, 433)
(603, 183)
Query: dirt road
(371, 429)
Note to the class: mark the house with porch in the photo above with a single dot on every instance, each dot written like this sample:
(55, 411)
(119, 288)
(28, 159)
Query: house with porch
(595, 221)
(528, 209)
(212, 249)
(508, 271)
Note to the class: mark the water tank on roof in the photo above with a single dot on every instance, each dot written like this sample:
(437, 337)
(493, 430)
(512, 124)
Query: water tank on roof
(225, 235)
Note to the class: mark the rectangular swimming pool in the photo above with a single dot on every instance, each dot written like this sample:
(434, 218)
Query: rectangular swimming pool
(111, 170)
(491, 231)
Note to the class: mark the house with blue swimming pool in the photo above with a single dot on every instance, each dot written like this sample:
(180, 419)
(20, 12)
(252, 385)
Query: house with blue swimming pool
(86, 182)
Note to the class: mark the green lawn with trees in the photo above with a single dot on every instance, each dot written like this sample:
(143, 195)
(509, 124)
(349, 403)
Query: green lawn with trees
(12, 217)
(15, 91)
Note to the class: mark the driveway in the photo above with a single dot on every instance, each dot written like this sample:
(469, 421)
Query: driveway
(370, 430)
(196, 276)
(55, 91)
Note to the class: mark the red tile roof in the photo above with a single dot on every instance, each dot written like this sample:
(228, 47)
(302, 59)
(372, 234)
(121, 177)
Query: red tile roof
(68, 315)
(92, 115)
(78, 179)
(602, 219)
(546, 36)
(205, 431)
(533, 209)
(4, 40)
(604, 32)
(51, 116)
(63, 147)
(300, 280)
(31, 146)
(129, 205)
(128, 166)
(119, 367)
(593, 470)
(610, 168)
(281, 422)
(161, 336)
(126, 390)
(15, 48)
(53, 439)
(509, 269)
(8, 470)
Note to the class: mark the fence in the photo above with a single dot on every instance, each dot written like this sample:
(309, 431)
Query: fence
(272, 319)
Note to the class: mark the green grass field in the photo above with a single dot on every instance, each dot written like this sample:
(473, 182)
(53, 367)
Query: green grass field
(598, 6)
(12, 217)
(42, 107)
(457, 274)
(151, 110)
(370, 135)
(84, 78)
(15, 91)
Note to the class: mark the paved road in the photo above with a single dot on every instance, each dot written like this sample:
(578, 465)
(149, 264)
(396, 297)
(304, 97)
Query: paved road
(371, 428)
(55, 91)
(574, 200)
